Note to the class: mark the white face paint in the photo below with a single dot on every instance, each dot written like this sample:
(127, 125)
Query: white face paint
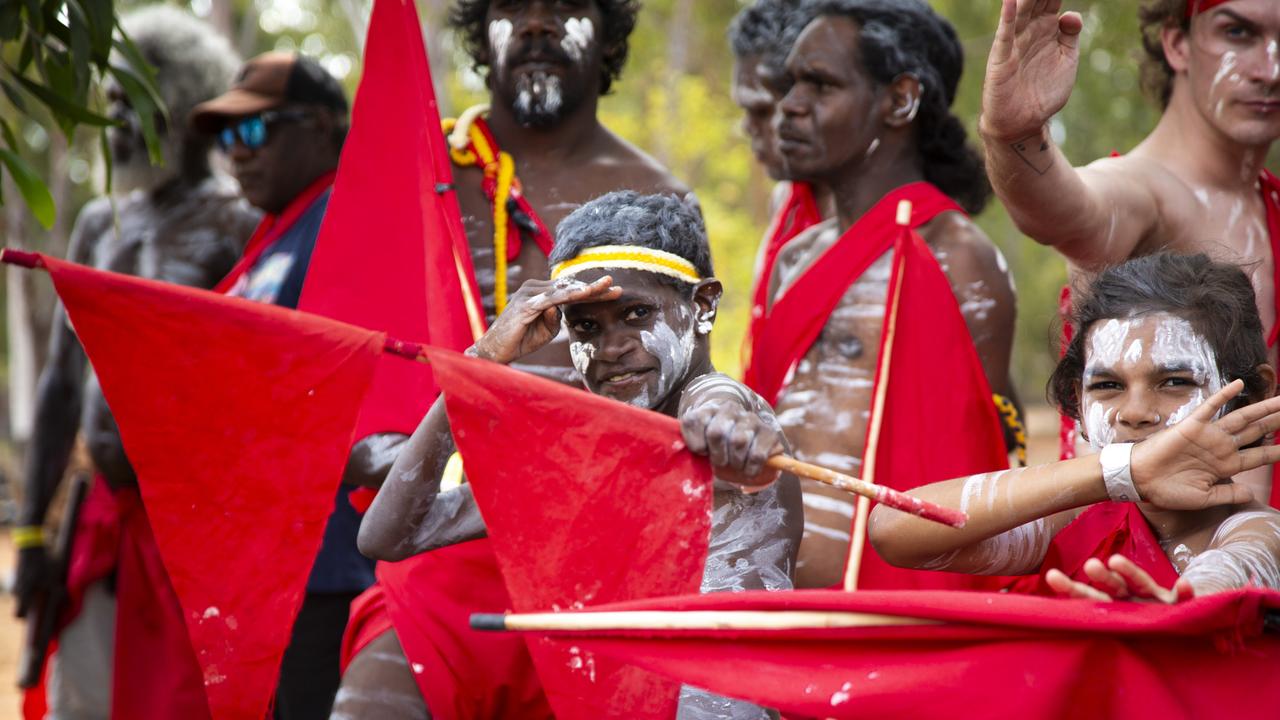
(578, 34)
(674, 352)
(499, 41)
(1174, 343)
(582, 353)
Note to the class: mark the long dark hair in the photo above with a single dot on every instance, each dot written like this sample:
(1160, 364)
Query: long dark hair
(1216, 298)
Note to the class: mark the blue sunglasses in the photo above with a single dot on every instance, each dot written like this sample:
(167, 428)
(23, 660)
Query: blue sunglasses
(252, 131)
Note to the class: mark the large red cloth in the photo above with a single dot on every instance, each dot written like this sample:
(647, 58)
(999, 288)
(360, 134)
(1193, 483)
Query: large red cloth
(959, 427)
(605, 504)
(198, 384)
(392, 254)
(798, 213)
(995, 655)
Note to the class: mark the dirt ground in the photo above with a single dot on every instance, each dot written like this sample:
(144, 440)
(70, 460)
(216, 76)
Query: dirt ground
(1042, 447)
(11, 634)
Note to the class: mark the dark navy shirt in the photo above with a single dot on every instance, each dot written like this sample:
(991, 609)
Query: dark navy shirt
(276, 277)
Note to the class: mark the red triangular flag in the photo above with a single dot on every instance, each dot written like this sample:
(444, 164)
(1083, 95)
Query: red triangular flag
(586, 501)
(929, 339)
(237, 418)
(995, 655)
(392, 254)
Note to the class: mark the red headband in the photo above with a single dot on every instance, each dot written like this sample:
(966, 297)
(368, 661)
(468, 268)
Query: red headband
(1195, 7)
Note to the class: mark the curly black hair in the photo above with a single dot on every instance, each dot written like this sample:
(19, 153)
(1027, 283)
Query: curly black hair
(1216, 298)
(466, 18)
(907, 36)
(1153, 18)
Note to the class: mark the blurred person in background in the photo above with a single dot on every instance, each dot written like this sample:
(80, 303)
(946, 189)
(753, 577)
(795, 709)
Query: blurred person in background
(283, 124)
(180, 222)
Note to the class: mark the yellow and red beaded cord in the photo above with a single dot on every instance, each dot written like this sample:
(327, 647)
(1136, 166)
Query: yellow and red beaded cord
(1009, 416)
(499, 168)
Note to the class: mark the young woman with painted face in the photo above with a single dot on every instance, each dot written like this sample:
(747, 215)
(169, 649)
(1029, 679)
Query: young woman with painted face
(1168, 373)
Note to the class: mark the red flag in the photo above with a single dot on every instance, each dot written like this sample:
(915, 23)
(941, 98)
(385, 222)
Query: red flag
(993, 655)
(392, 254)
(237, 418)
(587, 501)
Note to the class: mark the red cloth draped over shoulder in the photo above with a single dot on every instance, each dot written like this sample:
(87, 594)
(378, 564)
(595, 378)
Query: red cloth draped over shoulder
(271, 227)
(798, 213)
(791, 326)
(1102, 530)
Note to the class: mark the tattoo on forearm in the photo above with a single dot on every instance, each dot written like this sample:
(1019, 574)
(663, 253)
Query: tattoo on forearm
(1034, 151)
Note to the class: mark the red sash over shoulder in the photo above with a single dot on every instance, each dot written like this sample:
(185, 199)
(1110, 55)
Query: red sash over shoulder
(799, 213)
(1099, 532)
(796, 319)
(924, 435)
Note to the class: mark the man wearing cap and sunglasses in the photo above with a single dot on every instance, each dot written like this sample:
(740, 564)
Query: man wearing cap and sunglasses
(282, 125)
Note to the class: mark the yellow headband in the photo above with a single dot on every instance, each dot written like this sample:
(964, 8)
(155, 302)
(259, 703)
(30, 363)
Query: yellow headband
(628, 257)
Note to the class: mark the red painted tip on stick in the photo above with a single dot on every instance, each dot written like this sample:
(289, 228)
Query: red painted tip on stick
(21, 258)
(879, 493)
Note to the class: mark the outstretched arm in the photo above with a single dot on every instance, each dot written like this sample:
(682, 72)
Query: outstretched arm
(1013, 515)
(1095, 216)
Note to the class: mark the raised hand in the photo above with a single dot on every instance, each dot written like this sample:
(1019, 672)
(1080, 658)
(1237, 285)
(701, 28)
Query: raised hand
(1119, 579)
(1188, 466)
(532, 316)
(1031, 68)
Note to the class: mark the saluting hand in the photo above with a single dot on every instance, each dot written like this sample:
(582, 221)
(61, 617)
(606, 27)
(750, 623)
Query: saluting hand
(1189, 466)
(532, 316)
(1031, 68)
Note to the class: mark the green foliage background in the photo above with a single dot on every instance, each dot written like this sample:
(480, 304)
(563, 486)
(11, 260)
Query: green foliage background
(673, 101)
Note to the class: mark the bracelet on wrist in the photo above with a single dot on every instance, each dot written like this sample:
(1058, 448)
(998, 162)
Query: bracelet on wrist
(27, 536)
(1117, 472)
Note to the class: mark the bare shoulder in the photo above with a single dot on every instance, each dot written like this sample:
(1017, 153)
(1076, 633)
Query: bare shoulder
(1143, 178)
(642, 171)
(962, 247)
(96, 216)
(1251, 523)
(801, 252)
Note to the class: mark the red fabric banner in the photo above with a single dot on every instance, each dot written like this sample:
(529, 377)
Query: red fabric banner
(995, 656)
(392, 254)
(603, 504)
(237, 417)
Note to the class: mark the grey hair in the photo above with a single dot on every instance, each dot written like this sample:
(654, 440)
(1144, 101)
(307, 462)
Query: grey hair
(625, 217)
(768, 29)
(193, 62)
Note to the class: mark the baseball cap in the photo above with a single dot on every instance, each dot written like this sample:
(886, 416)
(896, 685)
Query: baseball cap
(268, 81)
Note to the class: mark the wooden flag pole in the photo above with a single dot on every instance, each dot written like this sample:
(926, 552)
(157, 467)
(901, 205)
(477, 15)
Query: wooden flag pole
(690, 620)
(858, 542)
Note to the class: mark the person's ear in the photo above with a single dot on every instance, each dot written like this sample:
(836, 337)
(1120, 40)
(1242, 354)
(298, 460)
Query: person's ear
(1176, 41)
(706, 295)
(903, 97)
(1268, 374)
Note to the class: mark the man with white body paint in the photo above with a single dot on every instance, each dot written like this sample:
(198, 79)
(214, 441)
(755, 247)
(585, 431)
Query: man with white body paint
(546, 65)
(633, 288)
(1167, 346)
(867, 118)
(1195, 184)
